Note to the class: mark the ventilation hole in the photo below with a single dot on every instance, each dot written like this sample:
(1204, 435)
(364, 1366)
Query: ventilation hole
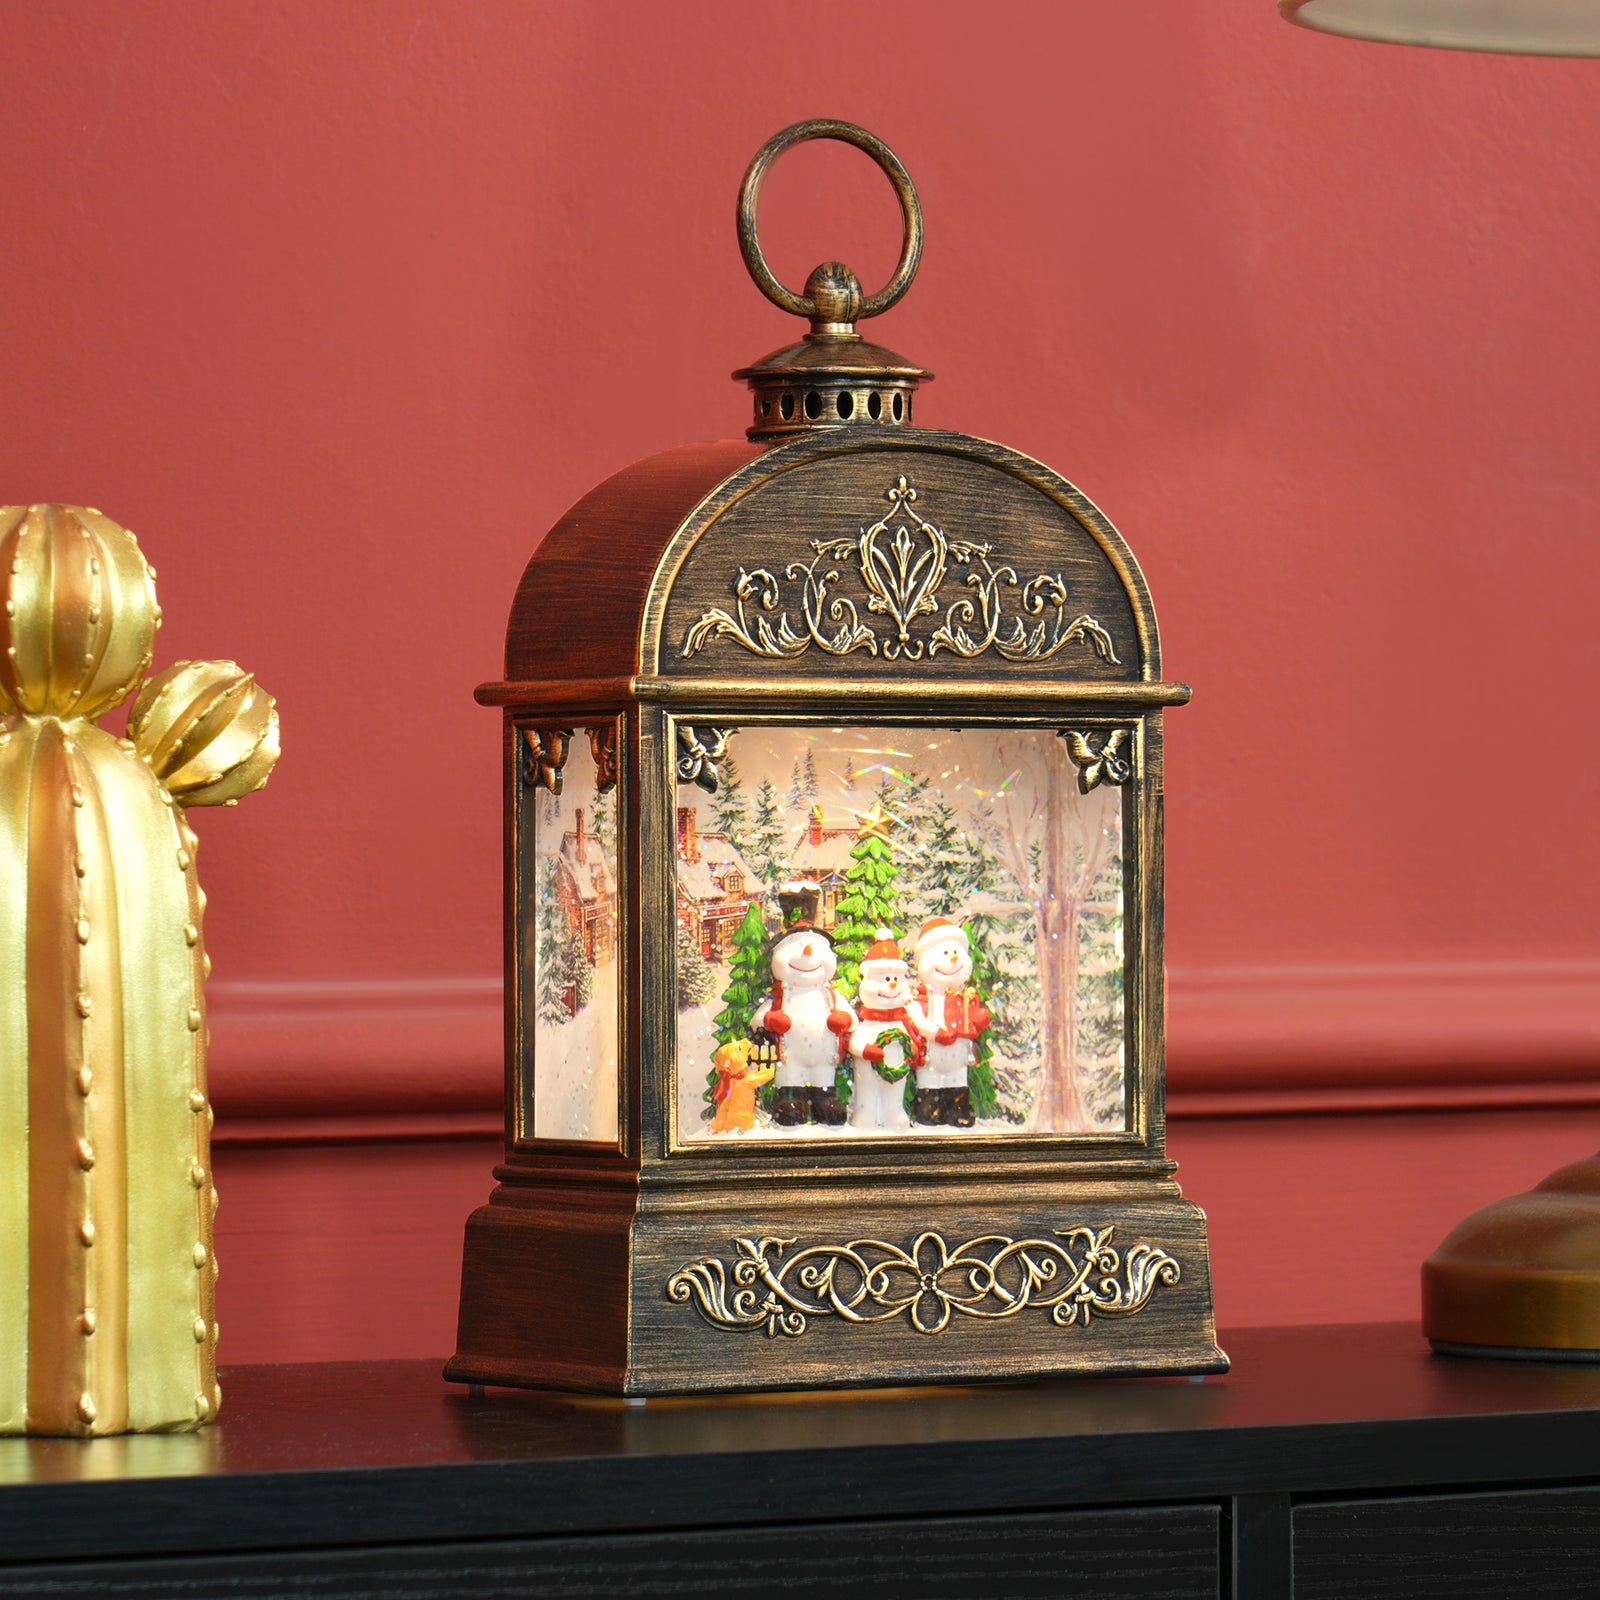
(899, 408)
(874, 405)
(813, 405)
(786, 407)
(766, 408)
(847, 406)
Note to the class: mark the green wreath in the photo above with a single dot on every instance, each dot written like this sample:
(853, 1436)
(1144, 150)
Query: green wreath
(895, 1035)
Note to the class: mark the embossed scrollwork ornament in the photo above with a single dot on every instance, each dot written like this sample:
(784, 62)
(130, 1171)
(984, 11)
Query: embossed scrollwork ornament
(902, 561)
(1075, 1275)
(699, 754)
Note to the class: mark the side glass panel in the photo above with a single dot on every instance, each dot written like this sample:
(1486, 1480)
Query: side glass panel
(568, 936)
(889, 931)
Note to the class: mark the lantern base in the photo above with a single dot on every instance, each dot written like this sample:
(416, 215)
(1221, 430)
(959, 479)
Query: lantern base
(1520, 1279)
(669, 1289)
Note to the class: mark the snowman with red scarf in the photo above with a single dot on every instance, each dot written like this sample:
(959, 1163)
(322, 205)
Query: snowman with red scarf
(883, 1046)
(949, 1017)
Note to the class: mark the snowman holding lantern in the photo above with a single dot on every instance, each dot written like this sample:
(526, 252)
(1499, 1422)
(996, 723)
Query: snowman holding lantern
(808, 1020)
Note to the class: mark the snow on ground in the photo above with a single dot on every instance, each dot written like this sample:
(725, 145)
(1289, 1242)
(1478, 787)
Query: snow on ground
(575, 1068)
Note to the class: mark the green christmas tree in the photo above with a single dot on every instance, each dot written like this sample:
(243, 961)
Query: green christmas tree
(749, 978)
(983, 936)
(870, 899)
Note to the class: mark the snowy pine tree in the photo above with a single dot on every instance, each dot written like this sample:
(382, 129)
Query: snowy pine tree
(986, 936)
(730, 807)
(554, 964)
(808, 777)
(1004, 972)
(797, 794)
(938, 869)
(605, 831)
(766, 838)
(1100, 997)
(696, 981)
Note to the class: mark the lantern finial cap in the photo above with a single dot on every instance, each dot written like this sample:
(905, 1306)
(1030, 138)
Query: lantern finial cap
(833, 377)
(835, 295)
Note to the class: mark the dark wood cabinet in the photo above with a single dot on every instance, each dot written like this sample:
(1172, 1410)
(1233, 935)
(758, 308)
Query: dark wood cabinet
(1160, 1554)
(1330, 1462)
(1532, 1544)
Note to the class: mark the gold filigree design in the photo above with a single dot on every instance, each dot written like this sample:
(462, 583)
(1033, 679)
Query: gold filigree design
(698, 755)
(544, 754)
(1108, 761)
(1076, 1275)
(902, 569)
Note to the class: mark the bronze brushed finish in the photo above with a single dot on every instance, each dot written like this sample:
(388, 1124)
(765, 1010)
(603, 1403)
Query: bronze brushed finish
(861, 570)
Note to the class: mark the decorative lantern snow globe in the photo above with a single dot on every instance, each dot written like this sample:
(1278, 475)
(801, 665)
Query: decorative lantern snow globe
(834, 953)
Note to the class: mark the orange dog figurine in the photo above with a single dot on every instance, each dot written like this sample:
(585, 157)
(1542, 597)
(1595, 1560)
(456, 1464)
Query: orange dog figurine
(738, 1078)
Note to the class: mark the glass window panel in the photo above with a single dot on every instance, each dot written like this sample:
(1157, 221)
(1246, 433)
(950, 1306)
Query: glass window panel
(1009, 1015)
(569, 954)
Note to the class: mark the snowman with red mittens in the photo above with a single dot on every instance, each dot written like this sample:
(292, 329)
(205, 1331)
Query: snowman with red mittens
(883, 1045)
(949, 1017)
(809, 1021)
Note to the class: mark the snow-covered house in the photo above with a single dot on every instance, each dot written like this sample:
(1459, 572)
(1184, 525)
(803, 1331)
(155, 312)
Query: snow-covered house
(821, 857)
(586, 891)
(715, 887)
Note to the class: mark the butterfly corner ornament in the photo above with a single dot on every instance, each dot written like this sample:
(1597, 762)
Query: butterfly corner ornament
(107, 1271)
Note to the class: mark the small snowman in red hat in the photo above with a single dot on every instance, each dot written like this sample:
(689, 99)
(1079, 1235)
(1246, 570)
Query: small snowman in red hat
(808, 1020)
(949, 1017)
(883, 1045)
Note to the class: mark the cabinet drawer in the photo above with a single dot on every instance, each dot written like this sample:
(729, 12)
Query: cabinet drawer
(1161, 1553)
(1539, 1544)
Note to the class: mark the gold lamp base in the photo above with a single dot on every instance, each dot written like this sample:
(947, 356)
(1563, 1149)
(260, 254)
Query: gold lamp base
(1520, 1279)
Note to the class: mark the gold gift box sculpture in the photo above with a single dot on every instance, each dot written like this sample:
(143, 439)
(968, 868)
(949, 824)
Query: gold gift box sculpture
(833, 893)
(107, 1277)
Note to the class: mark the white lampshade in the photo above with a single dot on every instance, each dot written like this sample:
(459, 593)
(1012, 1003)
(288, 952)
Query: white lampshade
(1520, 27)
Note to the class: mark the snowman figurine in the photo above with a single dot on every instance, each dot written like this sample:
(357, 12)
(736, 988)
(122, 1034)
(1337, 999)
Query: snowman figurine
(810, 1024)
(883, 1046)
(949, 1017)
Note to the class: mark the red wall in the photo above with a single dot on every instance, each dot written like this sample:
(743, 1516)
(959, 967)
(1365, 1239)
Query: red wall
(339, 306)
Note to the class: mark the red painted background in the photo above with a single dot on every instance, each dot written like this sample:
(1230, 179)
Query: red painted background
(338, 306)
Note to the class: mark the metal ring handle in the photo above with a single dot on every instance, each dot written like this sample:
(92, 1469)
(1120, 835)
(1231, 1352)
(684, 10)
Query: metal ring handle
(910, 209)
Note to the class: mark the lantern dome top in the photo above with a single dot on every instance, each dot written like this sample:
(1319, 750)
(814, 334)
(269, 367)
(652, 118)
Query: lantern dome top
(833, 377)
